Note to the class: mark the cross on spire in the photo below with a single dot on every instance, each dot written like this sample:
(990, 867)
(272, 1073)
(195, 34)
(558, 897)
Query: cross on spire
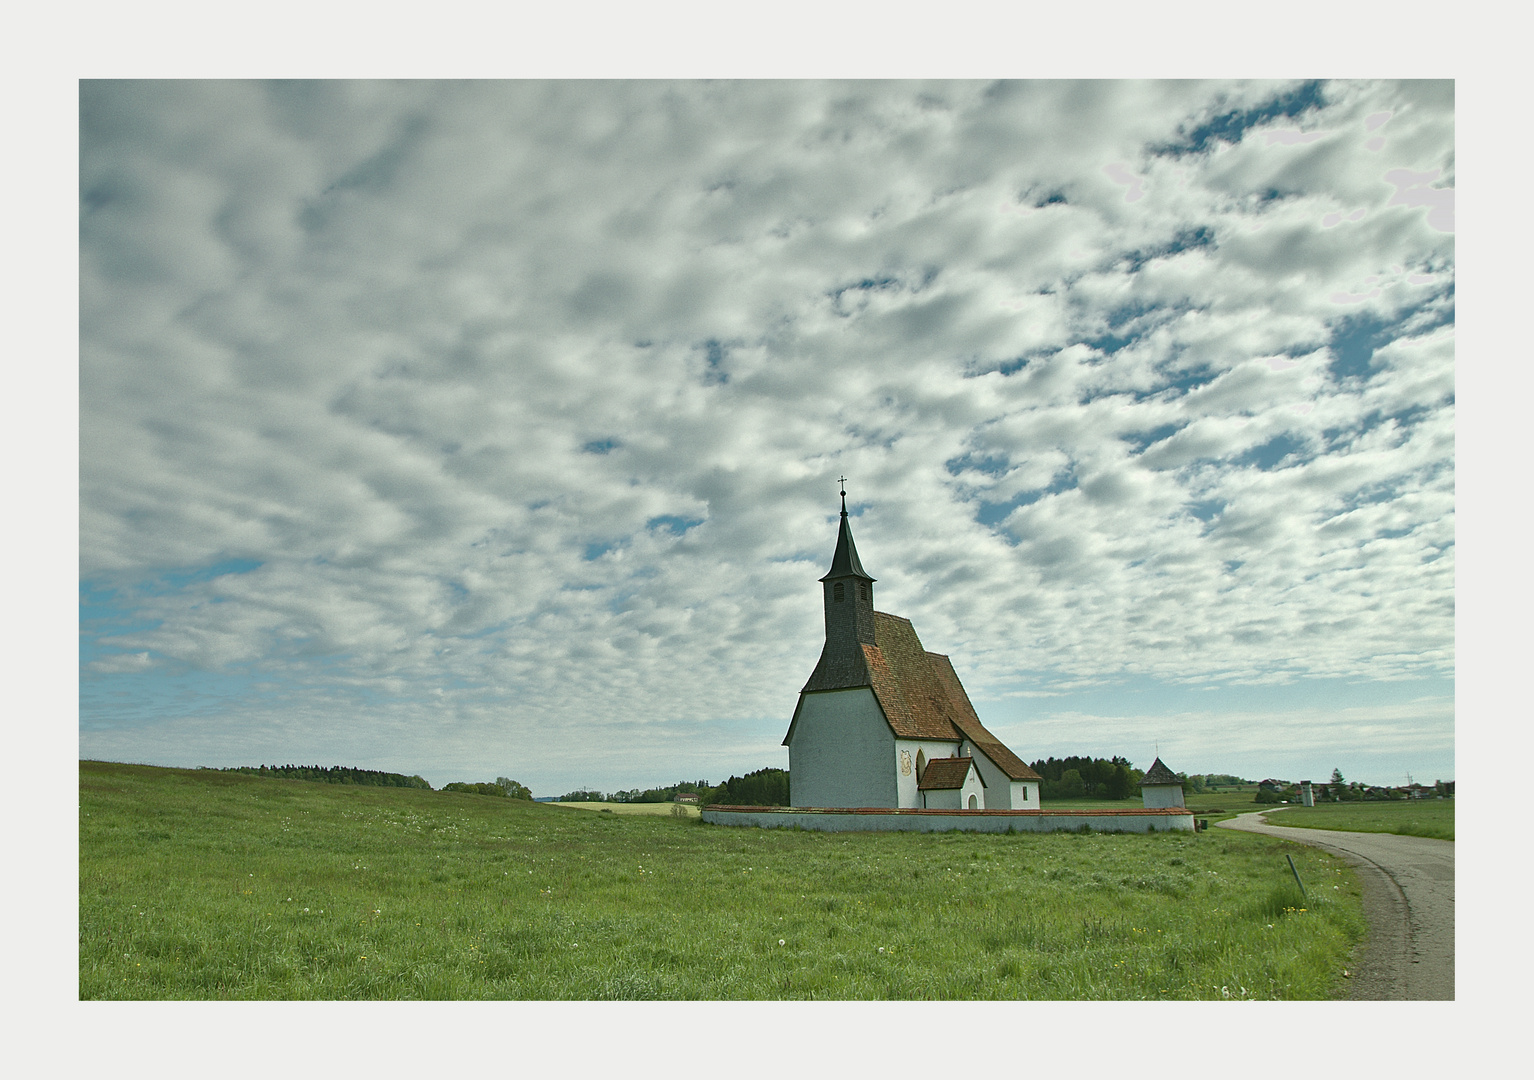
(844, 496)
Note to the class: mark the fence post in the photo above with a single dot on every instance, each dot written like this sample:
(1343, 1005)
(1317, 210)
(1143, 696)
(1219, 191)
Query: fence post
(1296, 874)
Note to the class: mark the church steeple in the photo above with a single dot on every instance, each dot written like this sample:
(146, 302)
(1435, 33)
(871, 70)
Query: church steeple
(849, 596)
(845, 562)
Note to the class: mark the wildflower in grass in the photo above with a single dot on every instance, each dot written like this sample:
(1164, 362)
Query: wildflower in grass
(783, 941)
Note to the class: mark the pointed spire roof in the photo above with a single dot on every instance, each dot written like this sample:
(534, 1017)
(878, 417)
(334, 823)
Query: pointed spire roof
(845, 562)
(1159, 774)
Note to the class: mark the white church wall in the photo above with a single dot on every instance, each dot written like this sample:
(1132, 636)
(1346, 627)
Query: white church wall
(1025, 795)
(1156, 796)
(972, 794)
(1001, 791)
(842, 751)
(907, 749)
(998, 785)
(941, 800)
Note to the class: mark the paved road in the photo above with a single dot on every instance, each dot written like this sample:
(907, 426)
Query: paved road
(1408, 887)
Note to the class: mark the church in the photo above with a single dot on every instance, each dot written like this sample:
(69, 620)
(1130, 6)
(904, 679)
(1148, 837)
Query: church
(884, 723)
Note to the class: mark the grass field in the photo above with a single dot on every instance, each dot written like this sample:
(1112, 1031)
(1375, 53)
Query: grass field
(1432, 818)
(213, 885)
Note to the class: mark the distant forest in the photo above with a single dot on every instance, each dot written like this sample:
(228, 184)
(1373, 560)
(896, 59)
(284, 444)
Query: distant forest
(1087, 778)
(1111, 778)
(335, 774)
(764, 787)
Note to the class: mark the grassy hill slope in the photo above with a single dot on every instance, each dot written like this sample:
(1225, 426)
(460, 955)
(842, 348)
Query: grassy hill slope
(1433, 818)
(198, 884)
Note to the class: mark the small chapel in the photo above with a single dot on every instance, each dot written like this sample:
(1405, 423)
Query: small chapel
(884, 723)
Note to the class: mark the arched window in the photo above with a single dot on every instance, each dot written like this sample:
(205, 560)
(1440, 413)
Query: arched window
(863, 591)
(838, 592)
(921, 763)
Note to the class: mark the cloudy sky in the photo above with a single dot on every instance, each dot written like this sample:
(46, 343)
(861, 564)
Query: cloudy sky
(479, 429)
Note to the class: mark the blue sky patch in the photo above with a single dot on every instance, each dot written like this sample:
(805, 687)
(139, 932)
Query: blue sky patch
(1185, 240)
(990, 464)
(992, 514)
(1191, 379)
(1207, 509)
(180, 579)
(672, 524)
(1267, 456)
(1231, 126)
(598, 446)
(714, 356)
(1140, 441)
(1354, 340)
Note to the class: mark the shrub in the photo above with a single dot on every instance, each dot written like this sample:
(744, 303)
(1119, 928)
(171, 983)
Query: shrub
(475, 789)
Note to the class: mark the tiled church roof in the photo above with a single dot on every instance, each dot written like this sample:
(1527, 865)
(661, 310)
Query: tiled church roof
(945, 774)
(1159, 774)
(913, 698)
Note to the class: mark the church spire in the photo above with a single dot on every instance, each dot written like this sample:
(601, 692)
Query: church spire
(848, 595)
(845, 562)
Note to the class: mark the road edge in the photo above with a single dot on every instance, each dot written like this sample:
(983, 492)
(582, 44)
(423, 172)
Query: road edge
(1387, 944)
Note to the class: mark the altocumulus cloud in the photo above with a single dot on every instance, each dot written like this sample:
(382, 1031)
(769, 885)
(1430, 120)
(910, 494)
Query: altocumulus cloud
(493, 428)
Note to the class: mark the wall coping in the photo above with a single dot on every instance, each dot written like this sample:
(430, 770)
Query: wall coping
(1147, 811)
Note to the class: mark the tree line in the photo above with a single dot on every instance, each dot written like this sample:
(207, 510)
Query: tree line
(637, 795)
(1339, 789)
(764, 787)
(1087, 778)
(335, 774)
(341, 774)
(504, 788)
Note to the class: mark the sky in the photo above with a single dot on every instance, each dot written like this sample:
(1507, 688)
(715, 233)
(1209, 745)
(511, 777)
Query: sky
(484, 429)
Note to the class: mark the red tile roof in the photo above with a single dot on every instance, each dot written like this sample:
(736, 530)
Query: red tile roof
(913, 697)
(945, 774)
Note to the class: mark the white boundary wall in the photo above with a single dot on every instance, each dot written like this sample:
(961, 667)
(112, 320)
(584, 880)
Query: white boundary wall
(994, 821)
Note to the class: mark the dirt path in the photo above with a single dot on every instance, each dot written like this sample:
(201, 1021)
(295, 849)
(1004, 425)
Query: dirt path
(1408, 887)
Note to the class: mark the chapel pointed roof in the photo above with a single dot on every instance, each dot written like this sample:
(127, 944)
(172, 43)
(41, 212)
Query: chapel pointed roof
(845, 562)
(1159, 774)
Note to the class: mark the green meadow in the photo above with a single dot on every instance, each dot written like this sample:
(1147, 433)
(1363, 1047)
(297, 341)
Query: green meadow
(209, 885)
(1432, 818)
